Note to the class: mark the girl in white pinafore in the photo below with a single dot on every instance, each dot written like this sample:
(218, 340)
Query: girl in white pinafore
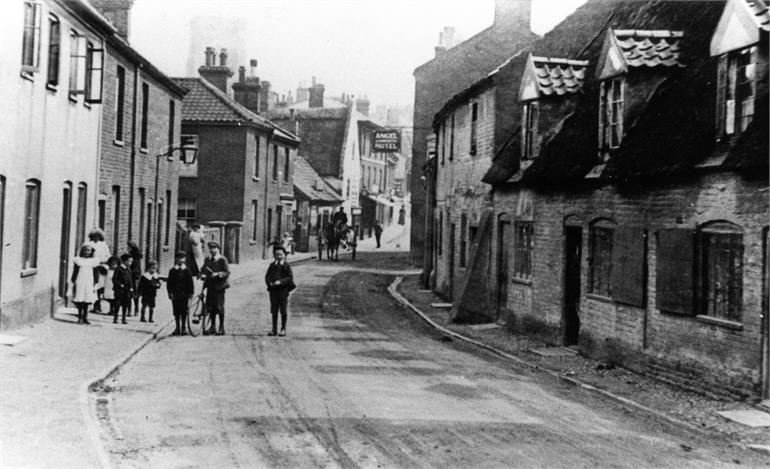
(84, 280)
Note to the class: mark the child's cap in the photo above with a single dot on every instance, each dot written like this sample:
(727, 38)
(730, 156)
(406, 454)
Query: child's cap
(151, 264)
(180, 254)
(279, 248)
(125, 256)
(113, 260)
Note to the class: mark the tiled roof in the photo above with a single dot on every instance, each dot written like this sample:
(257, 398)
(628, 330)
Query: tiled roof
(205, 103)
(649, 48)
(309, 113)
(312, 185)
(559, 76)
(761, 11)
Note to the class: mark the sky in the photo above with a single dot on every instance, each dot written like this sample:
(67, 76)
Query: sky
(360, 47)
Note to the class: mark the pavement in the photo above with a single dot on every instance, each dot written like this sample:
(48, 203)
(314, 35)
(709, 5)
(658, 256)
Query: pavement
(696, 412)
(48, 368)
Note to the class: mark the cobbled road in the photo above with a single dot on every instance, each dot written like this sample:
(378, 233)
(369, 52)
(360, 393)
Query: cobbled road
(361, 382)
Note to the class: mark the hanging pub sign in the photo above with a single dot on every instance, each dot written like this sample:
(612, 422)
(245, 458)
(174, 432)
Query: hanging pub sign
(386, 141)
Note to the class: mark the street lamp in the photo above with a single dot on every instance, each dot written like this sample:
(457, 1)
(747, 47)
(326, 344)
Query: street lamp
(188, 151)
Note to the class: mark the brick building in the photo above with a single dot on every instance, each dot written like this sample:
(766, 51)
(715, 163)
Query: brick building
(631, 217)
(242, 181)
(140, 154)
(453, 69)
(51, 90)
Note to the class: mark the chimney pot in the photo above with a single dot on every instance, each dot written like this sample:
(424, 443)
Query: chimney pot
(253, 65)
(223, 58)
(241, 74)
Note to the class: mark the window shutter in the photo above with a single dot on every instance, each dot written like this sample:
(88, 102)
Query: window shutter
(602, 104)
(95, 76)
(674, 273)
(721, 95)
(629, 249)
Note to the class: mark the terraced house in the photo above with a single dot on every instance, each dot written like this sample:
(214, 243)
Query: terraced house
(630, 206)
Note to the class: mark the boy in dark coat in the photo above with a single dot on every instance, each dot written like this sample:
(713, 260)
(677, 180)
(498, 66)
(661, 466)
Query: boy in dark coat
(149, 283)
(214, 273)
(280, 281)
(180, 289)
(123, 286)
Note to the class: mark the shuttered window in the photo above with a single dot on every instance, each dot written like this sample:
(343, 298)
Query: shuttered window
(629, 266)
(736, 89)
(674, 271)
(54, 47)
(720, 271)
(529, 129)
(611, 101)
(30, 48)
(600, 259)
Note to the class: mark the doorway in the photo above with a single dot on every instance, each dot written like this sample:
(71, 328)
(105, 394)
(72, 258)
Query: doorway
(148, 233)
(451, 254)
(503, 241)
(573, 246)
(64, 247)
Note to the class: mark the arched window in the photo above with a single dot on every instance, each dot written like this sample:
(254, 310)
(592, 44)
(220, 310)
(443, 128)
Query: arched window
(719, 274)
(600, 257)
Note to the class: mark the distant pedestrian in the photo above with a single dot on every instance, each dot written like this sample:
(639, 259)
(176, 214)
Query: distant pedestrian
(215, 273)
(149, 283)
(180, 290)
(287, 242)
(378, 232)
(84, 279)
(280, 281)
(123, 285)
(197, 239)
(109, 292)
(402, 215)
(136, 272)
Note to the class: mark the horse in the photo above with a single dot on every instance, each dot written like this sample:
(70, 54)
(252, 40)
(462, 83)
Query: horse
(339, 234)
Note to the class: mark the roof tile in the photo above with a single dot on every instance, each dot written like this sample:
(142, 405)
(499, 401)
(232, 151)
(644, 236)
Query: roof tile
(559, 76)
(649, 48)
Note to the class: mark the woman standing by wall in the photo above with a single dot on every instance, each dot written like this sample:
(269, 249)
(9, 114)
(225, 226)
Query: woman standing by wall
(84, 279)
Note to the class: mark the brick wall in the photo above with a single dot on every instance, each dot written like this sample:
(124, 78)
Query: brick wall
(115, 162)
(721, 358)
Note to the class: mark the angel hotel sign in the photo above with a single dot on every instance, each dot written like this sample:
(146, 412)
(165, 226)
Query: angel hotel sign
(386, 141)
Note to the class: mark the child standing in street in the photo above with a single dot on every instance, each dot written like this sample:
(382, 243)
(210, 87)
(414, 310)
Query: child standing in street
(84, 279)
(180, 289)
(123, 286)
(109, 292)
(280, 281)
(149, 283)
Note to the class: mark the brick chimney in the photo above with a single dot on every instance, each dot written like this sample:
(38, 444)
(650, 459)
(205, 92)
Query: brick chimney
(217, 75)
(316, 95)
(118, 12)
(264, 97)
(513, 15)
(303, 94)
(362, 105)
(247, 90)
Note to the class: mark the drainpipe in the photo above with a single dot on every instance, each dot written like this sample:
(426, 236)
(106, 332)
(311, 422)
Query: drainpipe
(265, 234)
(133, 155)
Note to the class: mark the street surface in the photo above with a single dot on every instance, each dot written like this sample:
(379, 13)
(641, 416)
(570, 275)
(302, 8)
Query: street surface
(361, 382)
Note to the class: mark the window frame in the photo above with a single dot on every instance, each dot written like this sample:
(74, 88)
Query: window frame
(611, 112)
(463, 240)
(120, 97)
(275, 162)
(254, 216)
(736, 107)
(54, 51)
(185, 207)
(529, 117)
(167, 238)
(523, 248)
(30, 44)
(256, 156)
(80, 215)
(144, 126)
(600, 258)
(474, 127)
(286, 164)
(708, 269)
(31, 224)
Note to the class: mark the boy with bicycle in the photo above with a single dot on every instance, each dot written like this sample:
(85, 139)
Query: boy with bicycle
(214, 273)
(180, 289)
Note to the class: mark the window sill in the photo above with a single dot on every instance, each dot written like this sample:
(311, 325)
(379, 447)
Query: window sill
(255, 178)
(603, 299)
(166, 248)
(28, 272)
(143, 150)
(86, 104)
(50, 87)
(252, 243)
(726, 323)
(27, 75)
(118, 143)
(73, 98)
(521, 281)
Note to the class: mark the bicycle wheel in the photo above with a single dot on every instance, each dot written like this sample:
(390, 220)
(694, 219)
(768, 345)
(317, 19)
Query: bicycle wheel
(194, 316)
(205, 322)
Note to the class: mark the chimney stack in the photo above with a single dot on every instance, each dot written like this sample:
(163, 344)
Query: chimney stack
(117, 12)
(253, 65)
(513, 16)
(264, 97)
(241, 75)
(247, 90)
(316, 95)
(216, 75)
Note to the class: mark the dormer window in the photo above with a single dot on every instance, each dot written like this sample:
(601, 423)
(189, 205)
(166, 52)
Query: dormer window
(611, 113)
(736, 89)
(529, 130)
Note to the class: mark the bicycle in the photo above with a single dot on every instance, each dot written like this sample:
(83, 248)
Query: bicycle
(198, 315)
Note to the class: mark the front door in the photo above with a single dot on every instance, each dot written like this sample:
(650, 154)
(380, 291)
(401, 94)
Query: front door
(232, 240)
(573, 251)
(279, 221)
(148, 234)
(64, 246)
(503, 242)
(765, 318)
(451, 253)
